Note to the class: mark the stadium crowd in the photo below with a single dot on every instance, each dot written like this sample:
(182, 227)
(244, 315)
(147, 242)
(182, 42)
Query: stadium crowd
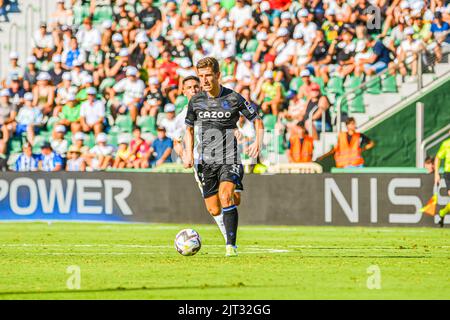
(103, 83)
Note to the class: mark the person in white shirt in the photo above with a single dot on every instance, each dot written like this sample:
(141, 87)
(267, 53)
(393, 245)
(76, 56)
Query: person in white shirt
(240, 14)
(29, 118)
(247, 72)
(306, 27)
(43, 39)
(407, 53)
(133, 91)
(92, 113)
(169, 122)
(101, 155)
(58, 143)
(74, 160)
(88, 36)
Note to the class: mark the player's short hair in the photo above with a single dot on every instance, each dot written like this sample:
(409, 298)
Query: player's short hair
(350, 120)
(190, 78)
(209, 62)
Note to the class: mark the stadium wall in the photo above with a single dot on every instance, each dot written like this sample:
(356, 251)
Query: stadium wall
(395, 137)
(328, 199)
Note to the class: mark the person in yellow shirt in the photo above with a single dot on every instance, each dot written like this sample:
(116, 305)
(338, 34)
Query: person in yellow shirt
(443, 154)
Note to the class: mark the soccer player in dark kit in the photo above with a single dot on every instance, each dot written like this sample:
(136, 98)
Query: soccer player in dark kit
(214, 113)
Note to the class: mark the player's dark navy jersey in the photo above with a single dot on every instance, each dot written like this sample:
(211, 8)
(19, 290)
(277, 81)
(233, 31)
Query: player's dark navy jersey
(215, 121)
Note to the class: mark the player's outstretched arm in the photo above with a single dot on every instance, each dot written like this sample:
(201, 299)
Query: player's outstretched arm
(255, 148)
(188, 155)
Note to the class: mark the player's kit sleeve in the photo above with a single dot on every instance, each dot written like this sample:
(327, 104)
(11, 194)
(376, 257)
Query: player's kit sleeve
(247, 110)
(191, 117)
(443, 150)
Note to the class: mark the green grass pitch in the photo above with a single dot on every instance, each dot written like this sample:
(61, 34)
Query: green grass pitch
(138, 261)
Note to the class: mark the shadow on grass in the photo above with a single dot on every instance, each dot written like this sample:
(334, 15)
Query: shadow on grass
(124, 289)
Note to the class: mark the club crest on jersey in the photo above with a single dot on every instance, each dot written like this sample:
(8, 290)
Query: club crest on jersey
(226, 105)
(214, 115)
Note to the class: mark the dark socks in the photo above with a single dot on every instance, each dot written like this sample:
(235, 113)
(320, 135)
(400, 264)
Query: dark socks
(230, 220)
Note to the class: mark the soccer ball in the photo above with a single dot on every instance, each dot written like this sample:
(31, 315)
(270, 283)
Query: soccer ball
(188, 242)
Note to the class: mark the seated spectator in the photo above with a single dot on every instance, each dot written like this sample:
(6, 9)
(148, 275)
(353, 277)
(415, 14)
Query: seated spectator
(101, 155)
(123, 154)
(169, 122)
(57, 71)
(139, 151)
(44, 94)
(74, 160)
(78, 141)
(29, 119)
(314, 107)
(7, 114)
(16, 91)
(133, 91)
(70, 114)
(154, 98)
(26, 161)
(301, 144)
(407, 53)
(30, 74)
(161, 149)
(378, 60)
(92, 113)
(13, 68)
(49, 161)
(271, 94)
(58, 143)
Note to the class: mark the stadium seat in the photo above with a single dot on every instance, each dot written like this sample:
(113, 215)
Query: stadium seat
(389, 83)
(373, 85)
(295, 84)
(269, 121)
(335, 85)
(112, 139)
(124, 123)
(252, 45)
(38, 141)
(356, 104)
(15, 145)
(51, 123)
(89, 140)
(102, 14)
(147, 124)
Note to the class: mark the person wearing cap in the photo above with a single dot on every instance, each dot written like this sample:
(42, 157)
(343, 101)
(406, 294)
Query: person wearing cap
(101, 155)
(92, 113)
(44, 93)
(408, 53)
(70, 114)
(116, 69)
(315, 106)
(75, 162)
(112, 53)
(49, 161)
(95, 60)
(133, 91)
(13, 67)
(150, 18)
(378, 59)
(61, 15)
(271, 94)
(57, 141)
(123, 153)
(30, 74)
(246, 72)
(263, 47)
(179, 50)
(161, 149)
(42, 39)
(228, 68)
(16, 91)
(28, 119)
(139, 50)
(57, 70)
(306, 27)
(169, 122)
(153, 98)
(27, 161)
(78, 140)
(305, 89)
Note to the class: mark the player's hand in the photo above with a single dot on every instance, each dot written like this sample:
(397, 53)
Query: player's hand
(188, 161)
(437, 179)
(253, 150)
